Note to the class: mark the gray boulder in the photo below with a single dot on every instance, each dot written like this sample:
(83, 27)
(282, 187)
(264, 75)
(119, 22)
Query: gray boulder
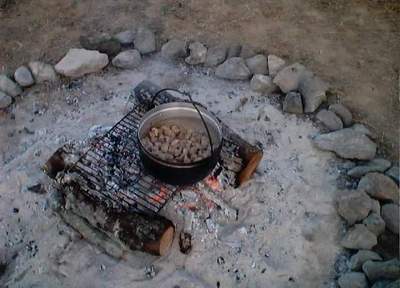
(79, 62)
(347, 143)
(197, 54)
(313, 90)
(391, 216)
(23, 76)
(288, 78)
(293, 103)
(234, 50)
(125, 37)
(359, 237)
(174, 49)
(330, 120)
(5, 100)
(354, 206)
(129, 59)
(9, 87)
(353, 280)
(343, 113)
(379, 186)
(216, 55)
(42, 72)
(389, 270)
(375, 224)
(375, 165)
(394, 173)
(362, 256)
(145, 40)
(103, 43)
(233, 69)
(275, 64)
(262, 84)
(257, 64)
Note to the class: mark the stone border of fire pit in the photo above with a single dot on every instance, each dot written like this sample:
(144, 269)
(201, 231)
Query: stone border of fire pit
(369, 198)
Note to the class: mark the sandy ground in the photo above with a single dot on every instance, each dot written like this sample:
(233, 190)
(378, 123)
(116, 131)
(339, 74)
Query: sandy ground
(287, 231)
(354, 45)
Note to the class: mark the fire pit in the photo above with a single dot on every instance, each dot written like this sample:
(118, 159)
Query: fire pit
(110, 177)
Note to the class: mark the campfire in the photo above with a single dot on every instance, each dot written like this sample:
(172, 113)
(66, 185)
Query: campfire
(106, 185)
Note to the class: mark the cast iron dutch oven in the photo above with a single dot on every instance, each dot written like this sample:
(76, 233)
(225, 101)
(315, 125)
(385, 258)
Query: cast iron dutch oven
(179, 113)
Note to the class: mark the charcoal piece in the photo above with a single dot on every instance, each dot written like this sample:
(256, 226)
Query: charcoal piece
(185, 242)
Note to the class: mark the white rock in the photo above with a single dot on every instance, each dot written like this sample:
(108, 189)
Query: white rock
(347, 143)
(359, 237)
(275, 64)
(174, 49)
(313, 90)
(262, 84)
(42, 72)
(344, 113)
(233, 69)
(129, 59)
(330, 120)
(79, 62)
(288, 79)
(216, 55)
(197, 55)
(145, 40)
(293, 103)
(23, 76)
(353, 280)
(125, 37)
(9, 87)
(5, 100)
(257, 64)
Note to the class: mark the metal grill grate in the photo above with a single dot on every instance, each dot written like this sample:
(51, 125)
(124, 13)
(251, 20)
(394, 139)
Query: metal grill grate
(114, 175)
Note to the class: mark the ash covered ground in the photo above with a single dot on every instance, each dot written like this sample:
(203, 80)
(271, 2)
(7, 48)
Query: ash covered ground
(287, 230)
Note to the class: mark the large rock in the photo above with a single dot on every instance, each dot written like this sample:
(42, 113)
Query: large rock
(145, 40)
(275, 64)
(330, 120)
(394, 173)
(382, 270)
(375, 224)
(216, 55)
(288, 78)
(9, 87)
(391, 216)
(353, 280)
(354, 206)
(129, 59)
(257, 64)
(359, 237)
(375, 165)
(5, 100)
(79, 62)
(376, 207)
(343, 113)
(262, 84)
(174, 49)
(233, 69)
(293, 103)
(363, 129)
(197, 54)
(379, 186)
(362, 256)
(313, 89)
(103, 43)
(347, 143)
(23, 77)
(125, 37)
(42, 72)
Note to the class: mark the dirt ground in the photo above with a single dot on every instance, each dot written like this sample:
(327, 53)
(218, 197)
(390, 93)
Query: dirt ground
(353, 44)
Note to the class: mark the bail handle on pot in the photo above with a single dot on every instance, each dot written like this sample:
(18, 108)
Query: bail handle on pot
(195, 107)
